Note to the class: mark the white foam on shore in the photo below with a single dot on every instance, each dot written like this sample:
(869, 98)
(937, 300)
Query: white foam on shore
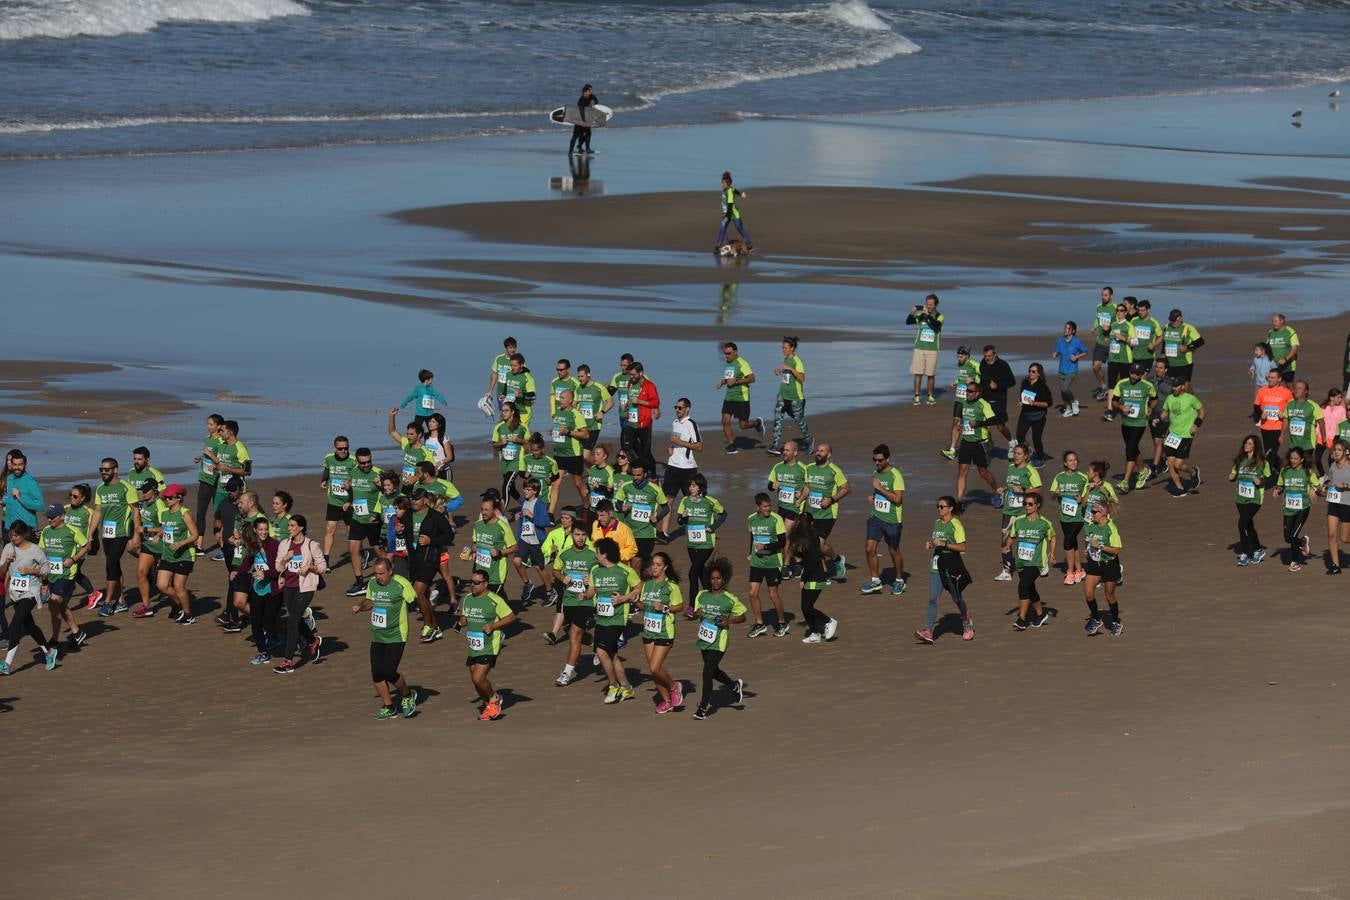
(23, 19)
(94, 124)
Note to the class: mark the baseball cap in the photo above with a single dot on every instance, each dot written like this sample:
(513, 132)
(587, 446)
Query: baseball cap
(1138, 369)
(54, 510)
(1174, 315)
(1177, 381)
(491, 494)
(148, 484)
(963, 350)
(177, 490)
(418, 494)
(235, 483)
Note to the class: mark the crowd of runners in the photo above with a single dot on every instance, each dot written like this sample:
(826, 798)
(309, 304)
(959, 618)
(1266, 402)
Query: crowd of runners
(580, 518)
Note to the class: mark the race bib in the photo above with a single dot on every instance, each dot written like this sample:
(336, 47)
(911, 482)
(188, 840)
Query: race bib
(110, 529)
(729, 374)
(632, 415)
(1334, 495)
(1069, 506)
(815, 500)
(482, 558)
(1013, 501)
(708, 632)
(339, 488)
(378, 619)
(502, 372)
(961, 391)
(1028, 397)
(641, 512)
(881, 504)
(526, 528)
(1298, 427)
(208, 467)
(1094, 553)
(20, 584)
(477, 640)
(400, 545)
(595, 499)
(409, 471)
(56, 567)
(576, 584)
(1115, 347)
(1270, 413)
(968, 427)
(698, 534)
(295, 563)
(1132, 409)
(1170, 349)
(761, 541)
(1294, 502)
(787, 376)
(588, 411)
(259, 570)
(787, 496)
(604, 607)
(1246, 489)
(1143, 333)
(510, 452)
(1172, 441)
(1103, 320)
(1026, 550)
(429, 403)
(654, 622)
(361, 508)
(557, 435)
(927, 336)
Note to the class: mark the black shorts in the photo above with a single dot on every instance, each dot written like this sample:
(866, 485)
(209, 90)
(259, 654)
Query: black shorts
(956, 410)
(607, 638)
(424, 572)
(1071, 531)
(181, 567)
(660, 642)
(789, 515)
(337, 514)
(737, 409)
(487, 659)
(1100, 352)
(373, 532)
(825, 526)
(676, 481)
(582, 617)
(1182, 372)
(1106, 570)
(1000, 408)
(1157, 428)
(241, 584)
(1181, 451)
(1339, 511)
(569, 464)
(1131, 435)
(63, 588)
(591, 439)
(113, 548)
(530, 554)
(384, 660)
(771, 577)
(973, 453)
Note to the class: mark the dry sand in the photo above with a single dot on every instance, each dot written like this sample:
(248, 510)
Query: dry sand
(1203, 754)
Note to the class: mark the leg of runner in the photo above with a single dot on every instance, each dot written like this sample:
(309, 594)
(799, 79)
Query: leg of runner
(478, 675)
(145, 564)
(815, 619)
(1248, 540)
(776, 598)
(873, 558)
(1113, 608)
(756, 611)
(1093, 625)
(206, 495)
(23, 624)
(656, 665)
(712, 671)
(1293, 535)
(296, 628)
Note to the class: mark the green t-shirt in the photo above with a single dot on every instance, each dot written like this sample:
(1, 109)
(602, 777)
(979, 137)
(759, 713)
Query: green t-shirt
(1146, 331)
(1100, 537)
(338, 473)
(545, 469)
(640, 505)
(971, 413)
(174, 528)
(610, 582)
(206, 473)
(1071, 487)
(79, 517)
(823, 482)
(599, 484)
(1174, 337)
(365, 494)
(413, 456)
(657, 623)
(764, 530)
(235, 456)
(738, 369)
(1102, 319)
(138, 477)
(1030, 540)
(1182, 410)
(1302, 417)
(952, 532)
(389, 609)
(478, 612)
(520, 385)
(1024, 479)
(1099, 495)
(60, 545)
(788, 479)
(789, 388)
(116, 501)
(711, 606)
(1250, 480)
(566, 421)
(1297, 486)
(590, 402)
(701, 512)
(1118, 349)
(278, 526)
(555, 391)
(575, 566)
(1282, 342)
(883, 510)
(501, 364)
(618, 387)
(510, 455)
(928, 337)
(1134, 397)
(966, 372)
(487, 537)
(151, 512)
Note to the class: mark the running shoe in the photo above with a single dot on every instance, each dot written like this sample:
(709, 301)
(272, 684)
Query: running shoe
(968, 630)
(1038, 462)
(551, 639)
(1178, 494)
(1078, 579)
(663, 707)
(1117, 628)
(1242, 560)
(831, 629)
(1295, 567)
(1195, 470)
(1259, 556)
(730, 450)
(700, 713)
(811, 638)
(564, 679)
(774, 451)
(780, 630)
(997, 502)
(357, 589)
(387, 712)
(233, 628)
(1038, 622)
(1305, 545)
(840, 568)
(1068, 577)
(1012, 445)
(664, 537)
(1076, 410)
(1092, 626)
(525, 592)
(366, 556)
(492, 711)
(143, 611)
(871, 586)
(187, 620)
(50, 660)
(739, 688)
(261, 659)
(1108, 416)
(595, 660)
(612, 694)
(924, 636)
(622, 642)
(223, 619)
(218, 556)
(1003, 575)
(4, 667)
(78, 638)
(315, 648)
(121, 606)
(1019, 625)
(677, 696)
(286, 667)
(1067, 414)
(949, 453)
(433, 595)
(898, 587)
(917, 401)
(431, 633)
(308, 619)
(759, 426)
(758, 629)
(932, 401)
(626, 692)
(105, 611)
(408, 706)
(1141, 480)
(551, 598)
(94, 599)
(1333, 569)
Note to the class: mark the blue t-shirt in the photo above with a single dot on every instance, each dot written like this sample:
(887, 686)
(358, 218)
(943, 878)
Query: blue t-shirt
(1067, 348)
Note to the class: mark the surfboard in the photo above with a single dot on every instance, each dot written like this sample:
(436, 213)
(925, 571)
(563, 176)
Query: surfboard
(597, 116)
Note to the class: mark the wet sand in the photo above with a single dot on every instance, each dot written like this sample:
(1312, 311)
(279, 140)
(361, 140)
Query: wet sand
(1199, 755)
(38, 388)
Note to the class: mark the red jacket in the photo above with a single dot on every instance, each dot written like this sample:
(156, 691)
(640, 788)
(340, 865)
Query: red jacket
(649, 394)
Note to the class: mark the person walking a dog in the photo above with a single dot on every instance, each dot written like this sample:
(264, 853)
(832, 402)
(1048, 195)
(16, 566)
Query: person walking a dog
(731, 214)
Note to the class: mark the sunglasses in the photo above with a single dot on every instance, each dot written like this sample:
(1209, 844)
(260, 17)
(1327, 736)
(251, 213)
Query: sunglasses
(103, 470)
(339, 449)
(944, 506)
(478, 581)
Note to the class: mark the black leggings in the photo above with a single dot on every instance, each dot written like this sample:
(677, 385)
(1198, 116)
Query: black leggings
(1270, 445)
(206, 495)
(296, 601)
(698, 577)
(712, 669)
(1071, 532)
(23, 622)
(1026, 584)
(509, 491)
(263, 614)
(1293, 526)
(1318, 455)
(1248, 542)
(1036, 427)
(815, 619)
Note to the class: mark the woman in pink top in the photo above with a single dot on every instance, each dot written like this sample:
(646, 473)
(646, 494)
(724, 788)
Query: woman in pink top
(1333, 414)
(300, 562)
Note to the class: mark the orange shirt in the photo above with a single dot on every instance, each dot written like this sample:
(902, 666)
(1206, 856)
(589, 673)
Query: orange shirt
(1271, 401)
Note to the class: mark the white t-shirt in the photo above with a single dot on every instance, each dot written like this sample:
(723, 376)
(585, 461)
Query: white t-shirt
(685, 429)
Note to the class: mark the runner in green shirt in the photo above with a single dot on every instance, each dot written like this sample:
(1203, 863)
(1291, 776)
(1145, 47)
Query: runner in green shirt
(787, 482)
(946, 571)
(642, 502)
(178, 537)
(600, 476)
(569, 435)
(660, 599)
(1020, 482)
(967, 370)
(575, 564)
(563, 382)
(1183, 413)
(618, 385)
(1180, 341)
(483, 615)
(1119, 352)
(701, 516)
(791, 400)
(1136, 399)
(501, 367)
(543, 469)
(1030, 538)
(206, 471)
(520, 388)
(593, 402)
(493, 543)
(768, 537)
(412, 448)
(613, 585)
(825, 487)
(1283, 341)
(509, 438)
(388, 597)
(1069, 488)
(231, 457)
(116, 524)
(737, 376)
(885, 521)
(1301, 418)
(716, 609)
(151, 509)
(1102, 317)
(1103, 565)
(1147, 333)
(64, 545)
(363, 510)
(1295, 485)
(1250, 473)
(975, 416)
(336, 480)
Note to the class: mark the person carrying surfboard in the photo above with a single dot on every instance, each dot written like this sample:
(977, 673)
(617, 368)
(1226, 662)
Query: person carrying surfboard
(581, 135)
(731, 214)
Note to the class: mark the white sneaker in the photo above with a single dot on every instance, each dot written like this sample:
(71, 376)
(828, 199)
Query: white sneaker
(1075, 407)
(309, 619)
(831, 627)
(564, 678)
(811, 638)
(1003, 575)
(1067, 414)
(1012, 444)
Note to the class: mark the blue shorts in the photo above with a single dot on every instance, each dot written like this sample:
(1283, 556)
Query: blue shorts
(880, 531)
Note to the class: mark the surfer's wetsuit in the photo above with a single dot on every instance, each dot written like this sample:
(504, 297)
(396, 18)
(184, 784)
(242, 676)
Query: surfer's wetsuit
(581, 135)
(731, 215)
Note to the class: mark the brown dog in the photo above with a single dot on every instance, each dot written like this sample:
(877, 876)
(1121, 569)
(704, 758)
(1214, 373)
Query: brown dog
(733, 248)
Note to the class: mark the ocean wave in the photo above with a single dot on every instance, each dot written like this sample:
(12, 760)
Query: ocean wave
(22, 19)
(95, 124)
